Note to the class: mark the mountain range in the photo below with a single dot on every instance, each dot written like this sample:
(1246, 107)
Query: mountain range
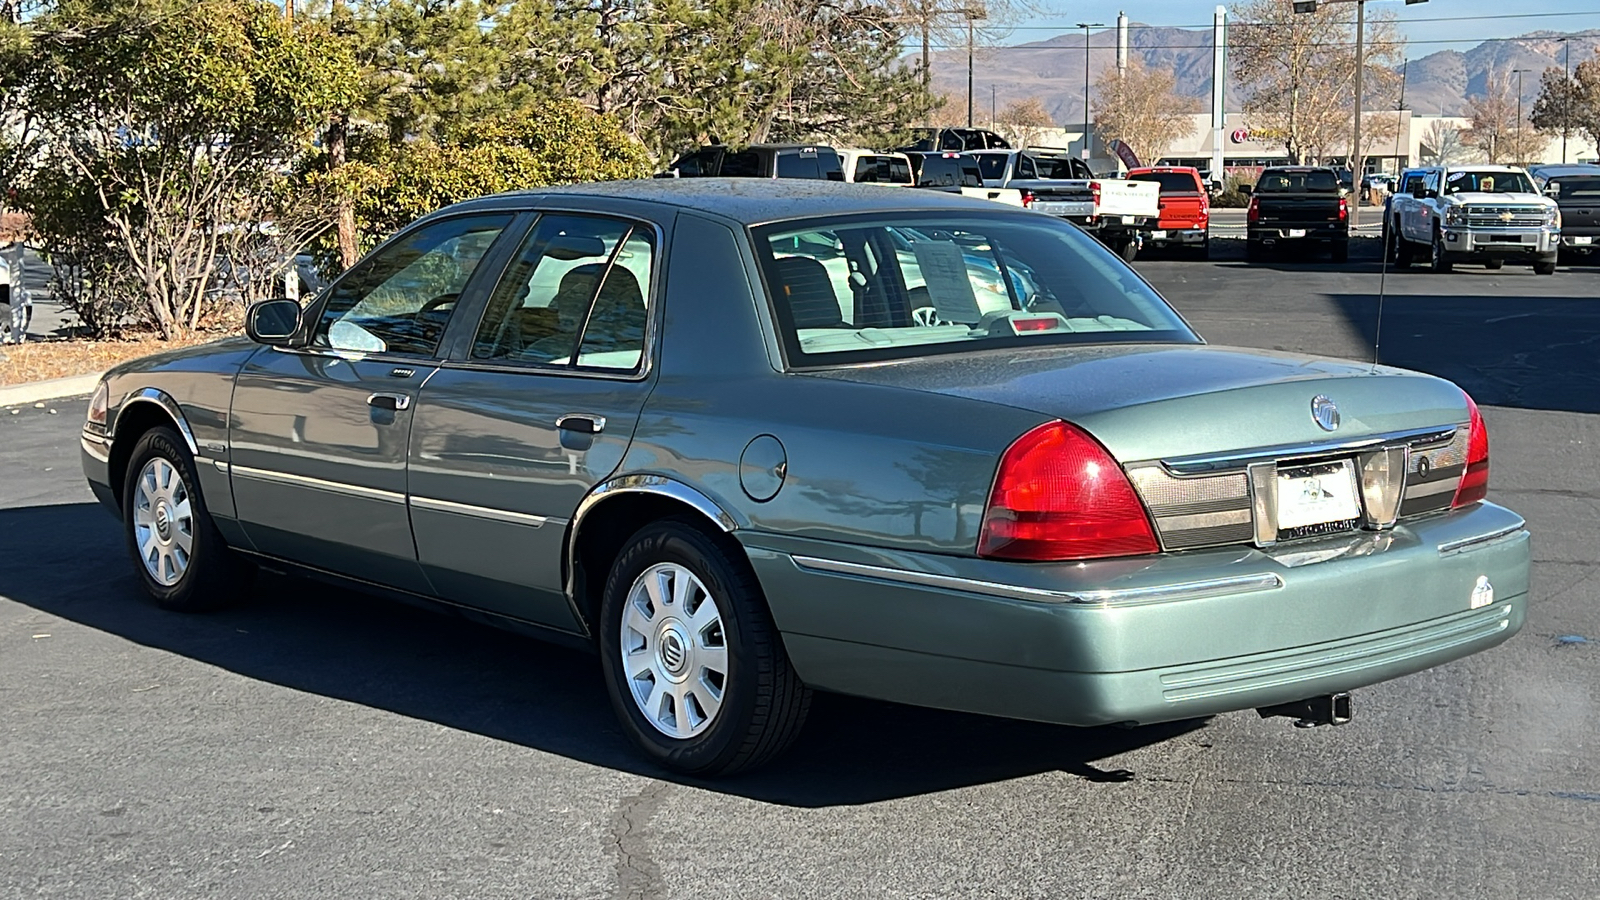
(1052, 69)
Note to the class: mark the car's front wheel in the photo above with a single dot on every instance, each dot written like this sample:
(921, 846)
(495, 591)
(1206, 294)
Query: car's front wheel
(181, 558)
(694, 666)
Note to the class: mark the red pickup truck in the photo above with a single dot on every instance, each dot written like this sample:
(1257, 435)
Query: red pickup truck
(1185, 209)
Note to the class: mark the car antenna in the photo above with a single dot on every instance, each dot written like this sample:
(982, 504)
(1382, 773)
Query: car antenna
(1391, 236)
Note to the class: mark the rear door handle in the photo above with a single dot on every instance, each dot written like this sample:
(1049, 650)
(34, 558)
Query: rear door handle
(391, 402)
(582, 423)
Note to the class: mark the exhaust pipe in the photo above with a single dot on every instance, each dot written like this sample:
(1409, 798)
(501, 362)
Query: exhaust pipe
(1328, 709)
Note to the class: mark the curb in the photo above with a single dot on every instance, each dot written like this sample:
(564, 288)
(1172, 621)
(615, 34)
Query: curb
(54, 389)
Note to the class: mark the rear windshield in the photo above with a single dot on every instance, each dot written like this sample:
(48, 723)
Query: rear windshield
(903, 286)
(1576, 187)
(949, 171)
(992, 165)
(882, 170)
(1467, 181)
(1171, 182)
(1316, 181)
(1050, 167)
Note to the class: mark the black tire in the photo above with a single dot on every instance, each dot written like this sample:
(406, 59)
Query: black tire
(1544, 268)
(1494, 264)
(1255, 251)
(1340, 251)
(1439, 262)
(1404, 253)
(1128, 249)
(215, 576)
(763, 704)
(1203, 252)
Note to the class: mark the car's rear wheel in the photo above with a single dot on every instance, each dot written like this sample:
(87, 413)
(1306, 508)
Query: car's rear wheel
(181, 558)
(694, 666)
(1440, 262)
(1128, 248)
(1255, 251)
(1340, 251)
(1494, 264)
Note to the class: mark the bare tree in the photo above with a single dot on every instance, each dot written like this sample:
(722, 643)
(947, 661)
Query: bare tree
(1300, 71)
(1442, 144)
(1141, 108)
(1569, 105)
(1496, 130)
(1024, 122)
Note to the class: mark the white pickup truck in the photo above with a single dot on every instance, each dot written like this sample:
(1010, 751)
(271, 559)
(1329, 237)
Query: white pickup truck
(1055, 183)
(1476, 213)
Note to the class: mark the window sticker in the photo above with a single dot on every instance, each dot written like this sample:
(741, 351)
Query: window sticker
(944, 271)
(1456, 176)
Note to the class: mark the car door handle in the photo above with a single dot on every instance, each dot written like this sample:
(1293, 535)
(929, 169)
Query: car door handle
(391, 402)
(582, 423)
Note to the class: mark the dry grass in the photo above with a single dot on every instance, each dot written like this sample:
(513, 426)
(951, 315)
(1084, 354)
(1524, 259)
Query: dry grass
(41, 360)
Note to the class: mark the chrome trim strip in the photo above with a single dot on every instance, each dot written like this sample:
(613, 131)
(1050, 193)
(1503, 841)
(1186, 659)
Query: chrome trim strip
(1191, 590)
(222, 466)
(1428, 489)
(1459, 545)
(481, 512)
(96, 447)
(1204, 520)
(335, 487)
(164, 400)
(1221, 462)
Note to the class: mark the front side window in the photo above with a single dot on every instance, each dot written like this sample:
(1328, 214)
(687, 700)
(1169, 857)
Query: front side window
(1577, 187)
(400, 299)
(574, 295)
(906, 286)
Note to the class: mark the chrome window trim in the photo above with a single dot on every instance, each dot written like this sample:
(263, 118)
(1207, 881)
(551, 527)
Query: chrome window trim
(484, 512)
(1461, 545)
(1165, 593)
(334, 487)
(1207, 464)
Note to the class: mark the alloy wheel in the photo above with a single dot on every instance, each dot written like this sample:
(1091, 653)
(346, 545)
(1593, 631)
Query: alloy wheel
(163, 521)
(674, 650)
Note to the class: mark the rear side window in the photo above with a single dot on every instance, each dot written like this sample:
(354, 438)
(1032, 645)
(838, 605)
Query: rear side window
(575, 295)
(744, 164)
(1171, 182)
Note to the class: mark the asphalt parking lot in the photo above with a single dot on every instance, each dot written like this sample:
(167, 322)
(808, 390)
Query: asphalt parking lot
(317, 743)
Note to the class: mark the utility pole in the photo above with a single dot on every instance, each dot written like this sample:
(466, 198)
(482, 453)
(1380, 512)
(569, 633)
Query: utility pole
(1086, 26)
(994, 109)
(1219, 84)
(969, 69)
(1520, 151)
(1566, 92)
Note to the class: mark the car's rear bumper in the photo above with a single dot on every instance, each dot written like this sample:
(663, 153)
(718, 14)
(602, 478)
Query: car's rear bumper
(1285, 232)
(1150, 639)
(1162, 235)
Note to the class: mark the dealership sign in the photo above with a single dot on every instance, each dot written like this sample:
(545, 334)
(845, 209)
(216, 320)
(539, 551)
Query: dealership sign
(1246, 135)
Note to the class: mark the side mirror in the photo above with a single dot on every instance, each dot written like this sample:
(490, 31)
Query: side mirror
(272, 322)
(1246, 189)
(1553, 191)
(1430, 194)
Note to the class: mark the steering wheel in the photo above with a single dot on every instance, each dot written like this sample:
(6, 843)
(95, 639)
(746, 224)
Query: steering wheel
(440, 301)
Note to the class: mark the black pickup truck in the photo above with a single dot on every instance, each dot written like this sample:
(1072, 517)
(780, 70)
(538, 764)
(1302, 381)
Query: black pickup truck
(1576, 189)
(1295, 205)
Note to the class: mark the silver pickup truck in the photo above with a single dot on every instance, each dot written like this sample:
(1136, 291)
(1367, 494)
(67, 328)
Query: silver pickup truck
(1114, 210)
(1479, 213)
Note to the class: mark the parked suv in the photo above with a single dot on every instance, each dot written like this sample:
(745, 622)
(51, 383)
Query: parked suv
(1477, 213)
(869, 167)
(1185, 208)
(1576, 190)
(934, 140)
(759, 161)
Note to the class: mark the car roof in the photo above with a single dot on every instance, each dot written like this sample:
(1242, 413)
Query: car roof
(748, 201)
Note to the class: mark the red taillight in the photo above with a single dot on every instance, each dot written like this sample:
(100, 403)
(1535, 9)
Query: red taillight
(1059, 495)
(1094, 192)
(1474, 484)
(1254, 212)
(1027, 199)
(1344, 209)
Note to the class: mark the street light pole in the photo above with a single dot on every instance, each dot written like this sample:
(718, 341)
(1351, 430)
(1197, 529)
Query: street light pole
(1086, 26)
(1357, 164)
(969, 69)
(1520, 151)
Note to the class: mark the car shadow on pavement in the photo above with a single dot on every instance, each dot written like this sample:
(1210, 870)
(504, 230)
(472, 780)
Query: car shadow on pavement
(1525, 352)
(69, 561)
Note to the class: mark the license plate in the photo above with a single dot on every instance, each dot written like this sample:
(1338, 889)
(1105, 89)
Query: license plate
(1297, 232)
(1158, 235)
(1317, 495)
(1129, 220)
(1582, 241)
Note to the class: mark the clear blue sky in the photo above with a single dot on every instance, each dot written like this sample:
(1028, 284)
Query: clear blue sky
(1473, 20)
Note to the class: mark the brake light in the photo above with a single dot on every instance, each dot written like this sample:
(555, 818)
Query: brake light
(1094, 192)
(1344, 209)
(1253, 213)
(1058, 495)
(1474, 485)
(1027, 199)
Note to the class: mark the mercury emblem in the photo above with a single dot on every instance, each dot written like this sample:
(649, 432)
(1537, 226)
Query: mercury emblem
(1325, 412)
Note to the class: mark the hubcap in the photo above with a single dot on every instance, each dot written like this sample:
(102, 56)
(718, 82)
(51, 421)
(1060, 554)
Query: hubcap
(674, 650)
(163, 522)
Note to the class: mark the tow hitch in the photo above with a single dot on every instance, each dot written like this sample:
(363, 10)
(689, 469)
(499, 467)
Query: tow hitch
(1329, 709)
